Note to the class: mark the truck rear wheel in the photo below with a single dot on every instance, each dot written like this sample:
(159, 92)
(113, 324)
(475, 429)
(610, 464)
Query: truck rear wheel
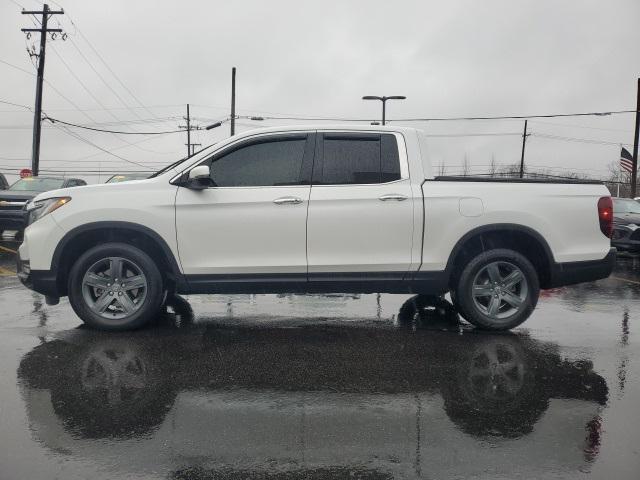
(115, 286)
(497, 290)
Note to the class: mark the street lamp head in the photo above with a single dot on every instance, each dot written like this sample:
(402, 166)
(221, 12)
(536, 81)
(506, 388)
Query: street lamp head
(213, 125)
(371, 97)
(396, 97)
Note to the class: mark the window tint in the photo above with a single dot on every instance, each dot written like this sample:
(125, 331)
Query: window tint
(352, 159)
(390, 161)
(268, 163)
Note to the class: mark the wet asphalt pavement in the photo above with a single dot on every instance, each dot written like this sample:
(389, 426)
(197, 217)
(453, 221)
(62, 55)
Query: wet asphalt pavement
(317, 387)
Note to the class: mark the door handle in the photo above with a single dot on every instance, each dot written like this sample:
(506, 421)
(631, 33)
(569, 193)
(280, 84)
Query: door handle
(287, 201)
(393, 196)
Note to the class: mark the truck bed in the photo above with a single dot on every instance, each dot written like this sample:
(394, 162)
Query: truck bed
(514, 180)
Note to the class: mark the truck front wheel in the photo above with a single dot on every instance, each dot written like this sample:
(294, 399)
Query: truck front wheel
(115, 286)
(497, 290)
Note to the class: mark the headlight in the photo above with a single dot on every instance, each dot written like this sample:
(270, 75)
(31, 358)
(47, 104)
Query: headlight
(37, 210)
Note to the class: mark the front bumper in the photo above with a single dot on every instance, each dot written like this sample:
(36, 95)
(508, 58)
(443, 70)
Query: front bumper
(12, 219)
(34, 257)
(570, 273)
(41, 281)
(626, 237)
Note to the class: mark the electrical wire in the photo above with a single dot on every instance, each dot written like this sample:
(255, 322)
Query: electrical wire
(88, 142)
(570, 125)
(15, 104)
(578, 140)
(445, 119)
(118, 132)
(104, 81)
(122, 84)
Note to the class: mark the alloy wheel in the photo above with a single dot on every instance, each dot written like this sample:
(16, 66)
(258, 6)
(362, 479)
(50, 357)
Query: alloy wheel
(114, 287)
(499, 290)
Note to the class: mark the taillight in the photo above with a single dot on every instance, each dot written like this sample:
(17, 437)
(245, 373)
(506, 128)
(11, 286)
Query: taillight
(605, 214)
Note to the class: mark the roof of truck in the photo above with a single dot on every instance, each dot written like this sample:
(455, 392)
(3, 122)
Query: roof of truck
(340, 126)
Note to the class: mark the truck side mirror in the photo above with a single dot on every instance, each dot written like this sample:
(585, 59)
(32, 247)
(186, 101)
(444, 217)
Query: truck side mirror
(200, 178)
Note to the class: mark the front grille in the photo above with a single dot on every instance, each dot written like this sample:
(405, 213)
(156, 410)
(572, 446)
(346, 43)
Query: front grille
(618, 234)
(11, 204)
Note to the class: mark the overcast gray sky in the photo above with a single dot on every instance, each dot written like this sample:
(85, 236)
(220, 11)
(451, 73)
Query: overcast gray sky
(450, 58)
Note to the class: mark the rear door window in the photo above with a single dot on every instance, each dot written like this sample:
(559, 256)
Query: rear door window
(357, 159)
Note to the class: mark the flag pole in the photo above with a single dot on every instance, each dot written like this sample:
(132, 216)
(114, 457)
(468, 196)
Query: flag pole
(620, 172)
(636, 137)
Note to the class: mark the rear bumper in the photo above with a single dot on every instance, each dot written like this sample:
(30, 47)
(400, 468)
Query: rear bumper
(578, 272)
(12, 219)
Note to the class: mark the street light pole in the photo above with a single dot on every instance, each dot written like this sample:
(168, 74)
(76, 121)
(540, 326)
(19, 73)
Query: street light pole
(384, 103)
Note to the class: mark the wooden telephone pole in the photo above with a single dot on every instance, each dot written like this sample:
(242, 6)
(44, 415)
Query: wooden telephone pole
(233, 101)
(191, 147)
(37, 115)
(524, 142)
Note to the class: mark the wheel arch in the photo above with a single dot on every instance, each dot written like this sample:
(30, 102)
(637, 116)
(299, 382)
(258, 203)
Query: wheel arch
(86, 236)
(520, 238)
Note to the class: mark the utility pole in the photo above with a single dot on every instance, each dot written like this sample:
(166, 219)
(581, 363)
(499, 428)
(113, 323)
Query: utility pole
(233, 101)
(37, 115)
(190, 146)
(188, 119)
(634, 171)
(524, 141)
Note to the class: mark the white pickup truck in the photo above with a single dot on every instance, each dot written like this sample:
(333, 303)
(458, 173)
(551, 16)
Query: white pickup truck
(315, 209)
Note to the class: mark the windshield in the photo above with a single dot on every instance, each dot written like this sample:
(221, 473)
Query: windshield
(626, 206)
(35, 184)
(175, 164)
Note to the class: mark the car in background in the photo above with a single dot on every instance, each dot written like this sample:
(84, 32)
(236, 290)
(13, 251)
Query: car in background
(14, 199)
(626, 225)
(3, 182)
(125, 177)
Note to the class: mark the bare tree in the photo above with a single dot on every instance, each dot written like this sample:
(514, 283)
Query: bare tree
(465, 165)
(492, 168)
(618, 181)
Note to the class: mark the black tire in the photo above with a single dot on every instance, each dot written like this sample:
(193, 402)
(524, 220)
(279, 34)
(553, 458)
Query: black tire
(478, 314)
(150, 304)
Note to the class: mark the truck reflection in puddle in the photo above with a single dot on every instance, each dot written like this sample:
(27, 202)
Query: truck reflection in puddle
(213, 401)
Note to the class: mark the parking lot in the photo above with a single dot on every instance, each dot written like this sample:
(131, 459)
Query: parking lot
(338, 386)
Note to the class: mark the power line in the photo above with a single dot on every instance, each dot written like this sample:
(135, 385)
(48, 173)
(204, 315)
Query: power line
(570, 125)
(97, 54)
(88, 142)
(73, 74)
(491, 134)
(578, 140)
(64, 97)
(15, 104)
(117, 132)
(441, 119)
(96, 100)
(103, 80)
(109, 68)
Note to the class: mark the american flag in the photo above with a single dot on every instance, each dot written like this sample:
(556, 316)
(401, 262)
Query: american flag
(626, 160)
